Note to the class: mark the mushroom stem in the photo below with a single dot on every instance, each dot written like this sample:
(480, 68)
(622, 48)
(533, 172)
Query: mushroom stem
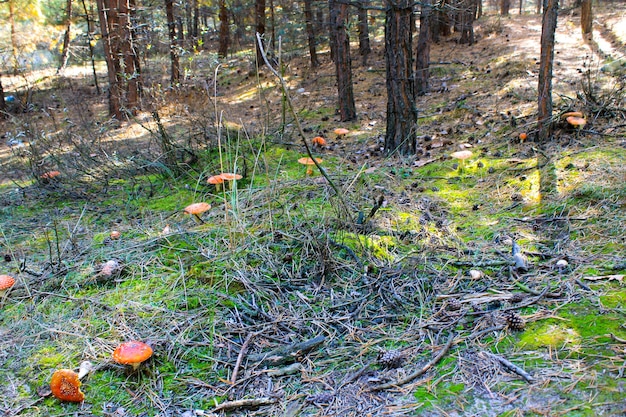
(198, 219)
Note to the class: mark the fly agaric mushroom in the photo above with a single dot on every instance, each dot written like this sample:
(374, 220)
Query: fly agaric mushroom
(132, 353)
(196, 209)
(319, 141)
(576, 121)
(6, 282)
(65, 385)
(216, 180)
(461, 156)
(341, 132)
(227, 176)
(308, 162)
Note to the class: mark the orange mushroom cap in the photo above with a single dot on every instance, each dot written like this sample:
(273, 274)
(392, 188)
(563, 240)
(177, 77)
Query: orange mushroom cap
(132, 353)
(65, 385)
(227, 176)
(319, 141)
(523, 136)
(462, 155)
(6, 282)
(215, 179)
(197, 208)
(576, 121)
(340, 131)
(49, 175)
(305, 160)
(115, 234)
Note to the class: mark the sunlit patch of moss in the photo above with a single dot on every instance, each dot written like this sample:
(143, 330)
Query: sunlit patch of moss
(378, 246)
(549, 334)
(614, 299)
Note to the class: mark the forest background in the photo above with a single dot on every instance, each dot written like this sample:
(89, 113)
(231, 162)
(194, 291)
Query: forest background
(393, 276)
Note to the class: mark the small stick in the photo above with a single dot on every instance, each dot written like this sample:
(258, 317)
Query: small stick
(244, 347)
(512, 367)
(248, 402)
(420, 371)
(617, 339)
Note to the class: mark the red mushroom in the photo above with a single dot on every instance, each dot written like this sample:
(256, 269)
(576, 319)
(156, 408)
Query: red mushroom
(132, 353)
(196, 209)
(6, 282)
(65, 385)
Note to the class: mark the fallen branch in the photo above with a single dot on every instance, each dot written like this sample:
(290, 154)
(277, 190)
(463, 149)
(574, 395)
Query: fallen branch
(246, 403)
(287, 354)
(511, 367)
(617, 339)
(242, 352)
(420, 371)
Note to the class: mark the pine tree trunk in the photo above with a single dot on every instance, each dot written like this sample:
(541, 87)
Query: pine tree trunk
(3, 104)
(422, 59)
(343, 63)
(90, 31)
(171, 29)
(66, 36)
(544, 118)
(108, 29)
(505, 7)
(364, 35)
(401, 134)
(310, 31)
(224, 38)
(586, 19)
(259, 16)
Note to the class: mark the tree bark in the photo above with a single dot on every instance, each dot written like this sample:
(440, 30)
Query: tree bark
(171, 29)
(259, 16)
(66, 36)
(224, 38)
(586, 19)
(505, 7)
(310, 31)
(401, 134)
(422, 59)
(3, 104)
(90, 31)
(364, 35)
(343, 63)
(14, 46)
(544, 117)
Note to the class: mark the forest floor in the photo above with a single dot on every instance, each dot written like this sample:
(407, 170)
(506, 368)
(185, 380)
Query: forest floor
(421, 287)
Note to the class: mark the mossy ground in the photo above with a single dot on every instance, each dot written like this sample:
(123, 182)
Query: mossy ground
(280, 258)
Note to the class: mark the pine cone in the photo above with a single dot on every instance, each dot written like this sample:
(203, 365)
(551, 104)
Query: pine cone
(391, 359)
(453, 305)
(514, 320)
(517, 297)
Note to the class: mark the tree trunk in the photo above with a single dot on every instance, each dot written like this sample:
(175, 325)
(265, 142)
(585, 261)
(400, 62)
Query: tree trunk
(171, 29)
(586, 19)
(14, 47)
(466, 14)
(259, 17)
(310, 31)
(122, 61)
(422, 59)
(544, 118)
(343, 63)
(3, 104)
(90, 39)
(505, 7)
(364, 36)
(224, 39)
(539, 6)
(66, 36)
(401, 135)
(273, 23)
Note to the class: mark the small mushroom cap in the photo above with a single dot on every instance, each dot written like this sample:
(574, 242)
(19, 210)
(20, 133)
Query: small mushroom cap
(215, 179)
(65, 385)
(227, 176)
(309, 161)
(319, 141)
(115, 234)
(6, 282)
(576, 121)
(462, 154)
(50, 174)
(341, 131)
(197, 208)
(132, 353)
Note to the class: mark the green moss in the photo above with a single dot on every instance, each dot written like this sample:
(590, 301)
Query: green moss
(549, 334)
